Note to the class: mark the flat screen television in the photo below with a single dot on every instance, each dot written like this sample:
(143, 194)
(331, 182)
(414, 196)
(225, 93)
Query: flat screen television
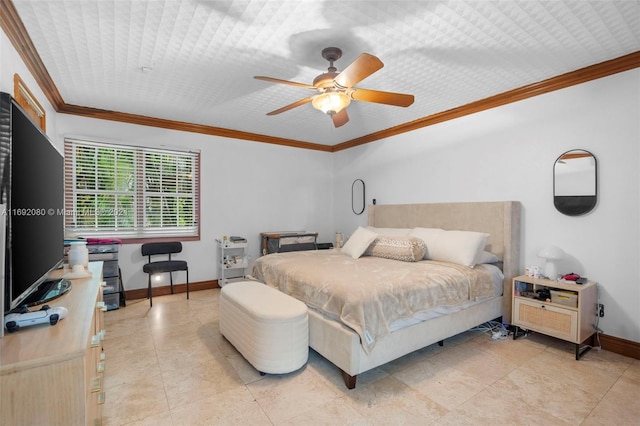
(32, 191)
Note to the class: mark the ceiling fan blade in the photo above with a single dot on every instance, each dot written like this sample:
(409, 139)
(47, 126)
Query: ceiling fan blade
(291, 106)
(361, 68)
(388, 98)
(277, 80)
(340, 118)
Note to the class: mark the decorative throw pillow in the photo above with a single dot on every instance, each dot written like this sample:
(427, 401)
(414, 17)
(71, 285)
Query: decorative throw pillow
(406, 249)
(358, 242)
(462, 247)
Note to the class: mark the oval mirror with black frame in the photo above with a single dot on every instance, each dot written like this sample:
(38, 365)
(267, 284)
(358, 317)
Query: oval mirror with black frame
(357, 196)
(575, 179)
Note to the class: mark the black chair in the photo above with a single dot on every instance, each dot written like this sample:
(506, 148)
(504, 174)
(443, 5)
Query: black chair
(162, 266)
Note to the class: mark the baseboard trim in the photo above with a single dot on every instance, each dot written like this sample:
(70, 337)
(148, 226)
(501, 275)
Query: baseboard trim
(141, 293)
(620, 346)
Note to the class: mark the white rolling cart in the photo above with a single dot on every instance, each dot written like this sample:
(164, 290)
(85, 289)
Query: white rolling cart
(233, 259)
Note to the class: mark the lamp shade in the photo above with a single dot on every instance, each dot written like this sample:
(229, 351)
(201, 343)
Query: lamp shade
(331, 102)
(551, 254)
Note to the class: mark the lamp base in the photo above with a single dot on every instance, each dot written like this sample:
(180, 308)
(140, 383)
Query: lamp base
(551, 270)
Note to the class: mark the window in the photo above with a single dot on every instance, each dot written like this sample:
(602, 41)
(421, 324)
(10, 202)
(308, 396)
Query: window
(29, 103)
(131, 192)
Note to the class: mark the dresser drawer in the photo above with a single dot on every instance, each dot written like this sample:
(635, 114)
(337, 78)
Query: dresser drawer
(546, 318)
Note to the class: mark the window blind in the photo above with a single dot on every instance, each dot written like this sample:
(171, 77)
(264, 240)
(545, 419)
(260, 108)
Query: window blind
(130, 192)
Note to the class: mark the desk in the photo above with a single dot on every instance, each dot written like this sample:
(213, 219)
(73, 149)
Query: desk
(278, 242)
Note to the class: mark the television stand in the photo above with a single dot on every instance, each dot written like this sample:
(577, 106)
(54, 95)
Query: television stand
(46, 291)
(55, 375)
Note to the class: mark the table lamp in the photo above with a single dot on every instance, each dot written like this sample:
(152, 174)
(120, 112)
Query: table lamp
(551, 254)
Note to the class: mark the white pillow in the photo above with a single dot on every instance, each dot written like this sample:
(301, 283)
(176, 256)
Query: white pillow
(429, 236)
(390, 231)
(487, 257)
(358, 242)
(462, 247)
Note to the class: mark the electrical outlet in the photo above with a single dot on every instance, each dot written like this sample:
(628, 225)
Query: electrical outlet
(600, 310)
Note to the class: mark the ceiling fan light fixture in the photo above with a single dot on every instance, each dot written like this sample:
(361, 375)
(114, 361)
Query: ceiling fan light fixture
(331, 102)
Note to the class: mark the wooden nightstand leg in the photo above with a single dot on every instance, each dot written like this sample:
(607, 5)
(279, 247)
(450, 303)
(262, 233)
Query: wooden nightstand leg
(580, 353)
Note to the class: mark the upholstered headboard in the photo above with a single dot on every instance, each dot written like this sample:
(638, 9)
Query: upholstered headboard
(500, 219)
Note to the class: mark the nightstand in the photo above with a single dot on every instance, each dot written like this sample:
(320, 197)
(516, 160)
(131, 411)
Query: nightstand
(568, 314)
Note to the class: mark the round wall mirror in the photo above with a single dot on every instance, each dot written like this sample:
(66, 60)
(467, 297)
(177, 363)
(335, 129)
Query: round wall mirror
(357, 196)
(575, 178)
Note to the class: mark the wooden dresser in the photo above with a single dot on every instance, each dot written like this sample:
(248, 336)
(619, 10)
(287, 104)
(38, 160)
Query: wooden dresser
(54, 375)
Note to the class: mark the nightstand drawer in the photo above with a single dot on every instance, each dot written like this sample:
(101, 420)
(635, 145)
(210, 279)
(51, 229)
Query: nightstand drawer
(546, 318)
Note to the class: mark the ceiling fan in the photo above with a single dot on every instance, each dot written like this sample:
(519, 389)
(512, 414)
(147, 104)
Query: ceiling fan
(336, 89)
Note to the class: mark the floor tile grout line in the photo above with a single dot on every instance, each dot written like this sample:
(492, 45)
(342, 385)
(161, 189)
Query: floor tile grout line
(164, 387)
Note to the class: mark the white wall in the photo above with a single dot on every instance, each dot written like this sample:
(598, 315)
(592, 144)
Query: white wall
(508, 153)
(246, 188)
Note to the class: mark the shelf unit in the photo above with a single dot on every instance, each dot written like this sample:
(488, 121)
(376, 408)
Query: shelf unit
(568, 314)
(232, 261)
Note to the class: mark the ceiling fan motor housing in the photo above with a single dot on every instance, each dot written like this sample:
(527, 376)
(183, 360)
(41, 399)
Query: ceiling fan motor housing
(325, 80)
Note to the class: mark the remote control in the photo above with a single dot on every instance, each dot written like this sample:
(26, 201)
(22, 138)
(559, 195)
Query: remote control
(46, 314)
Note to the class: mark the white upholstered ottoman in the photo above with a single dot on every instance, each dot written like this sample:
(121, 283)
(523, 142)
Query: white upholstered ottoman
(269, 328)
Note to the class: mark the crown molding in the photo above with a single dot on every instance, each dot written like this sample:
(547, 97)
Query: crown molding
(13, 27)
(593, 72)
(17, 34)
(143, 120)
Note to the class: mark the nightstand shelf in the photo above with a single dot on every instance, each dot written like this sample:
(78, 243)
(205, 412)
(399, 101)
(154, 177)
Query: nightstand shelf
(568, 313)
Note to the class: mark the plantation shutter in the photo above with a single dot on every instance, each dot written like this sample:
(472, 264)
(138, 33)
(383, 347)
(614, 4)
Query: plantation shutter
(130, 192)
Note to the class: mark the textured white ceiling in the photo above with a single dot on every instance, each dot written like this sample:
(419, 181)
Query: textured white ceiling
(203, 54)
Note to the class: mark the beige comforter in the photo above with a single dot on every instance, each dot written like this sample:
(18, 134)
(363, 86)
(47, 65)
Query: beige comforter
(370, 293)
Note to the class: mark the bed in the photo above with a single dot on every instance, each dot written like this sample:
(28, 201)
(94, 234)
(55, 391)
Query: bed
(355, 351)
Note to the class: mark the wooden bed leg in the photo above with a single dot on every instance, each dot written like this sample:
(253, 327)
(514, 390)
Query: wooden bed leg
(350, 381)
(441, 343)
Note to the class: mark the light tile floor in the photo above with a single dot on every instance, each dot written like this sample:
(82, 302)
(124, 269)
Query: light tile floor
(169, 365)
